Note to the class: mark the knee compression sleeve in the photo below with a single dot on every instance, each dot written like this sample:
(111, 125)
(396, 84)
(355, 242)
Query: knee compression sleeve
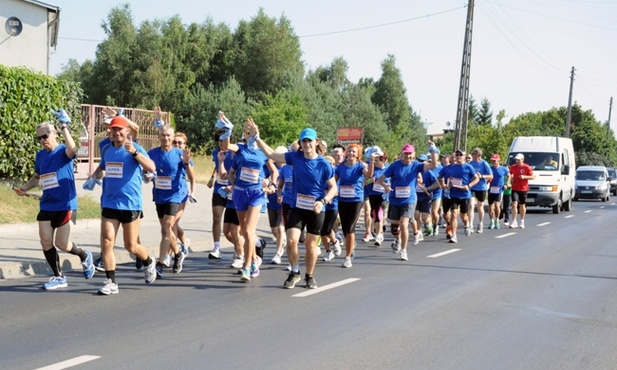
(394, 229)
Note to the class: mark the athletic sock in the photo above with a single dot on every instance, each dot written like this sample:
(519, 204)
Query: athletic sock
(53, 259)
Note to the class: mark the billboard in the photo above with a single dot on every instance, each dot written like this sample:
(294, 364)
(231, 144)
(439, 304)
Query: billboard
(349, 135)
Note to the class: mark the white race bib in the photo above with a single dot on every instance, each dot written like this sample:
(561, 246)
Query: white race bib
(457, 182)
(346, 191)
(378, 188)
(49, 181)
(114, 170)
(162, 182)
(402, 192)
(222, 182)
(305, 202)
(419, 189)
(494, 189)
(249, 175)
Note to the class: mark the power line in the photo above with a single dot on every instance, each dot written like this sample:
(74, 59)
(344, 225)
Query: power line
(382, 24)
(79, 39)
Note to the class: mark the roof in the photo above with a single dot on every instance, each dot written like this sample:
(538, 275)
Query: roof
(44, 5)
(53, 19)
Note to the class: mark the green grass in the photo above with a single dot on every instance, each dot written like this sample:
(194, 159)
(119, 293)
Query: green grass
(203, 168)
(16, 210)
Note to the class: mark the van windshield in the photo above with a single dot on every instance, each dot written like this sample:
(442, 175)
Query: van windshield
(590, 175)
(540, 161)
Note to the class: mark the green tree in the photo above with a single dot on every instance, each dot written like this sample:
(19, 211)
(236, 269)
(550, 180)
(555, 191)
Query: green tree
(485, 115)
(265, 50)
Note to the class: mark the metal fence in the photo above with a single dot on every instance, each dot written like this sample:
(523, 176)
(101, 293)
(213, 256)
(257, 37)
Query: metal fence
(94, 130)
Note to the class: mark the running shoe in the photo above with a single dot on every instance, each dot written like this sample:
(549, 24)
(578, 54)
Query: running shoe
(415, 238)
(513, 225)
(55, 282)
(292, 279)
(435, 231)
(396, 246)
(246, 275)
(238, 262)
(428, 230)
(159, 270)
(448, 231)
(139, 264)
(167, 261)
(378, 239)
(347, 262)
(178, 260)
(109, 288)
(98, 265)
(88, 266)
(337, 248)
(276, 260)
(497, 225)
(150, 272)
(491, 225)
(479, 229)
(367, 237)
(215, 254)
(254, 270)
(468, 231)
(329, 256)
(404, 255)
(453, 239)
(522, 226)
(310, 282)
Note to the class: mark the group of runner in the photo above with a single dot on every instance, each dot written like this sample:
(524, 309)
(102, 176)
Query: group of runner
(304, 191)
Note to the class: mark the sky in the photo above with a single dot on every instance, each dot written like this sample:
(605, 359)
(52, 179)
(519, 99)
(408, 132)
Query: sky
(521, 58)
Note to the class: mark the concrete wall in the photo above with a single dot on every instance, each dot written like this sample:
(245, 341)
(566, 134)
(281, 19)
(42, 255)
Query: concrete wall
(31, 47)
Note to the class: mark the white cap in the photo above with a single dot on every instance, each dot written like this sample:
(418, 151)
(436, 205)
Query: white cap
(519, 156)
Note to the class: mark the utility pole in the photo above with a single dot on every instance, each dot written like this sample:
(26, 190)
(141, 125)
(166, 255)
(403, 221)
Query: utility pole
(462, 113)
(569, 116)
(608, 123)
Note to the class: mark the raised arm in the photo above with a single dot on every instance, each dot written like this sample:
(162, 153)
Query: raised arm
(254, 132)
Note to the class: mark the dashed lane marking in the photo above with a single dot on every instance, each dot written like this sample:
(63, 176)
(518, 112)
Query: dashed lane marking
(588, 211)
(443, 253)
(570, 216)
(544, 224)
(504, 235)
(70, 363)
(326, 287)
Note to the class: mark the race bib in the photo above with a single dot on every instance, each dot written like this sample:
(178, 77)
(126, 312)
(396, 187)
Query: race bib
(419, 189)
(402, 192)
(378, 188)
(222, 182)
(347, 191)
(494, 189)
(249, 175)
(114, 170)
(49, 181)
(305, 202)
(457, 182)
(163, 183)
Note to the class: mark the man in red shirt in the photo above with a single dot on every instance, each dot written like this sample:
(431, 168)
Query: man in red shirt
(521, 174)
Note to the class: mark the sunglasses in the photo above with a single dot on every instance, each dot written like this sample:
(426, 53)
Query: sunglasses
(468, 158)
(178, 142)
(460, 154)
(42, 137)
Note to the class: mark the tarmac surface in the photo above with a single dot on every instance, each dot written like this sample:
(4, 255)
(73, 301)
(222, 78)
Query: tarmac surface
(21, 254)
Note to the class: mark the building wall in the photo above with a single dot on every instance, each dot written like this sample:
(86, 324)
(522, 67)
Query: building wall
(30, 48)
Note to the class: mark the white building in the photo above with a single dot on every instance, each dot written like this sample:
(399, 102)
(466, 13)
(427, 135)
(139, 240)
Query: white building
(28, 31)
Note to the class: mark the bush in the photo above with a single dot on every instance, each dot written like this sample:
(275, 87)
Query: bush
(26, 99)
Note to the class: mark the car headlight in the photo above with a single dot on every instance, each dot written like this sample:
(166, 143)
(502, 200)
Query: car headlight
(602, 186)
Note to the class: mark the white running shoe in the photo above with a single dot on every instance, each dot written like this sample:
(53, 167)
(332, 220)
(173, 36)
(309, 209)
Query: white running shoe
(337, 248)
(347, 262)
(415, 239)
(513, 225)
(367, 237)
(238, 262)
(378, 239)
(215, 254)
(276, 260)
(396, 246)
(329, 256)
(522, 224)
(404, 255)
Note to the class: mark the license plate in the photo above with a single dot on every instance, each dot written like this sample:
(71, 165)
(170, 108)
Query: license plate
(530, 200)
(586, 191)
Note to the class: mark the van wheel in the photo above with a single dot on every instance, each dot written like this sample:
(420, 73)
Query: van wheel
(567, 206)
(557, 207)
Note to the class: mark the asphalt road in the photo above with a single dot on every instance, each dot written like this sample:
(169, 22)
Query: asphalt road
(539, 298)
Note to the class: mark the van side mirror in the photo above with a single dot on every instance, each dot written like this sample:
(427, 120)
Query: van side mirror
(566, 170)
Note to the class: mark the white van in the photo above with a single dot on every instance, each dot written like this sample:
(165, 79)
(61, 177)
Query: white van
(552, 161)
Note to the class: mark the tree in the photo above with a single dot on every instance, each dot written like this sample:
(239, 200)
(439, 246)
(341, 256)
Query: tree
(485, 115)
(264, 52)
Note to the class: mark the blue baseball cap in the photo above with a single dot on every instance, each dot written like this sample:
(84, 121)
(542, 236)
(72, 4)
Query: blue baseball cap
(422, 157)
(308, 133)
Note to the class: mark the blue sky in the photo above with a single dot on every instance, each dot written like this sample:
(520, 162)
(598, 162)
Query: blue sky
(522, 51)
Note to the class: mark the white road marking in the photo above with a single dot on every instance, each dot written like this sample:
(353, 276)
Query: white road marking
(588, 211)
(504, 235)
(70, 363)
(569, 216)
(326, 287)
(443, 253)
(602, 206)
(544, 224)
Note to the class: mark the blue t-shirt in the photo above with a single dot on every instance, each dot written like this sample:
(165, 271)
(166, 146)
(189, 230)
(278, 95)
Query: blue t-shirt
(403, 180)
(459, 174)
(122, 181)
(350, 182)
(286, 174)
(170, 182)
(249, 165)
(428, 179)
(226, 163)
(55, 170)
(272, 198)
(483, 168)
(309, 178)
(499, 179)
(438, 192)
